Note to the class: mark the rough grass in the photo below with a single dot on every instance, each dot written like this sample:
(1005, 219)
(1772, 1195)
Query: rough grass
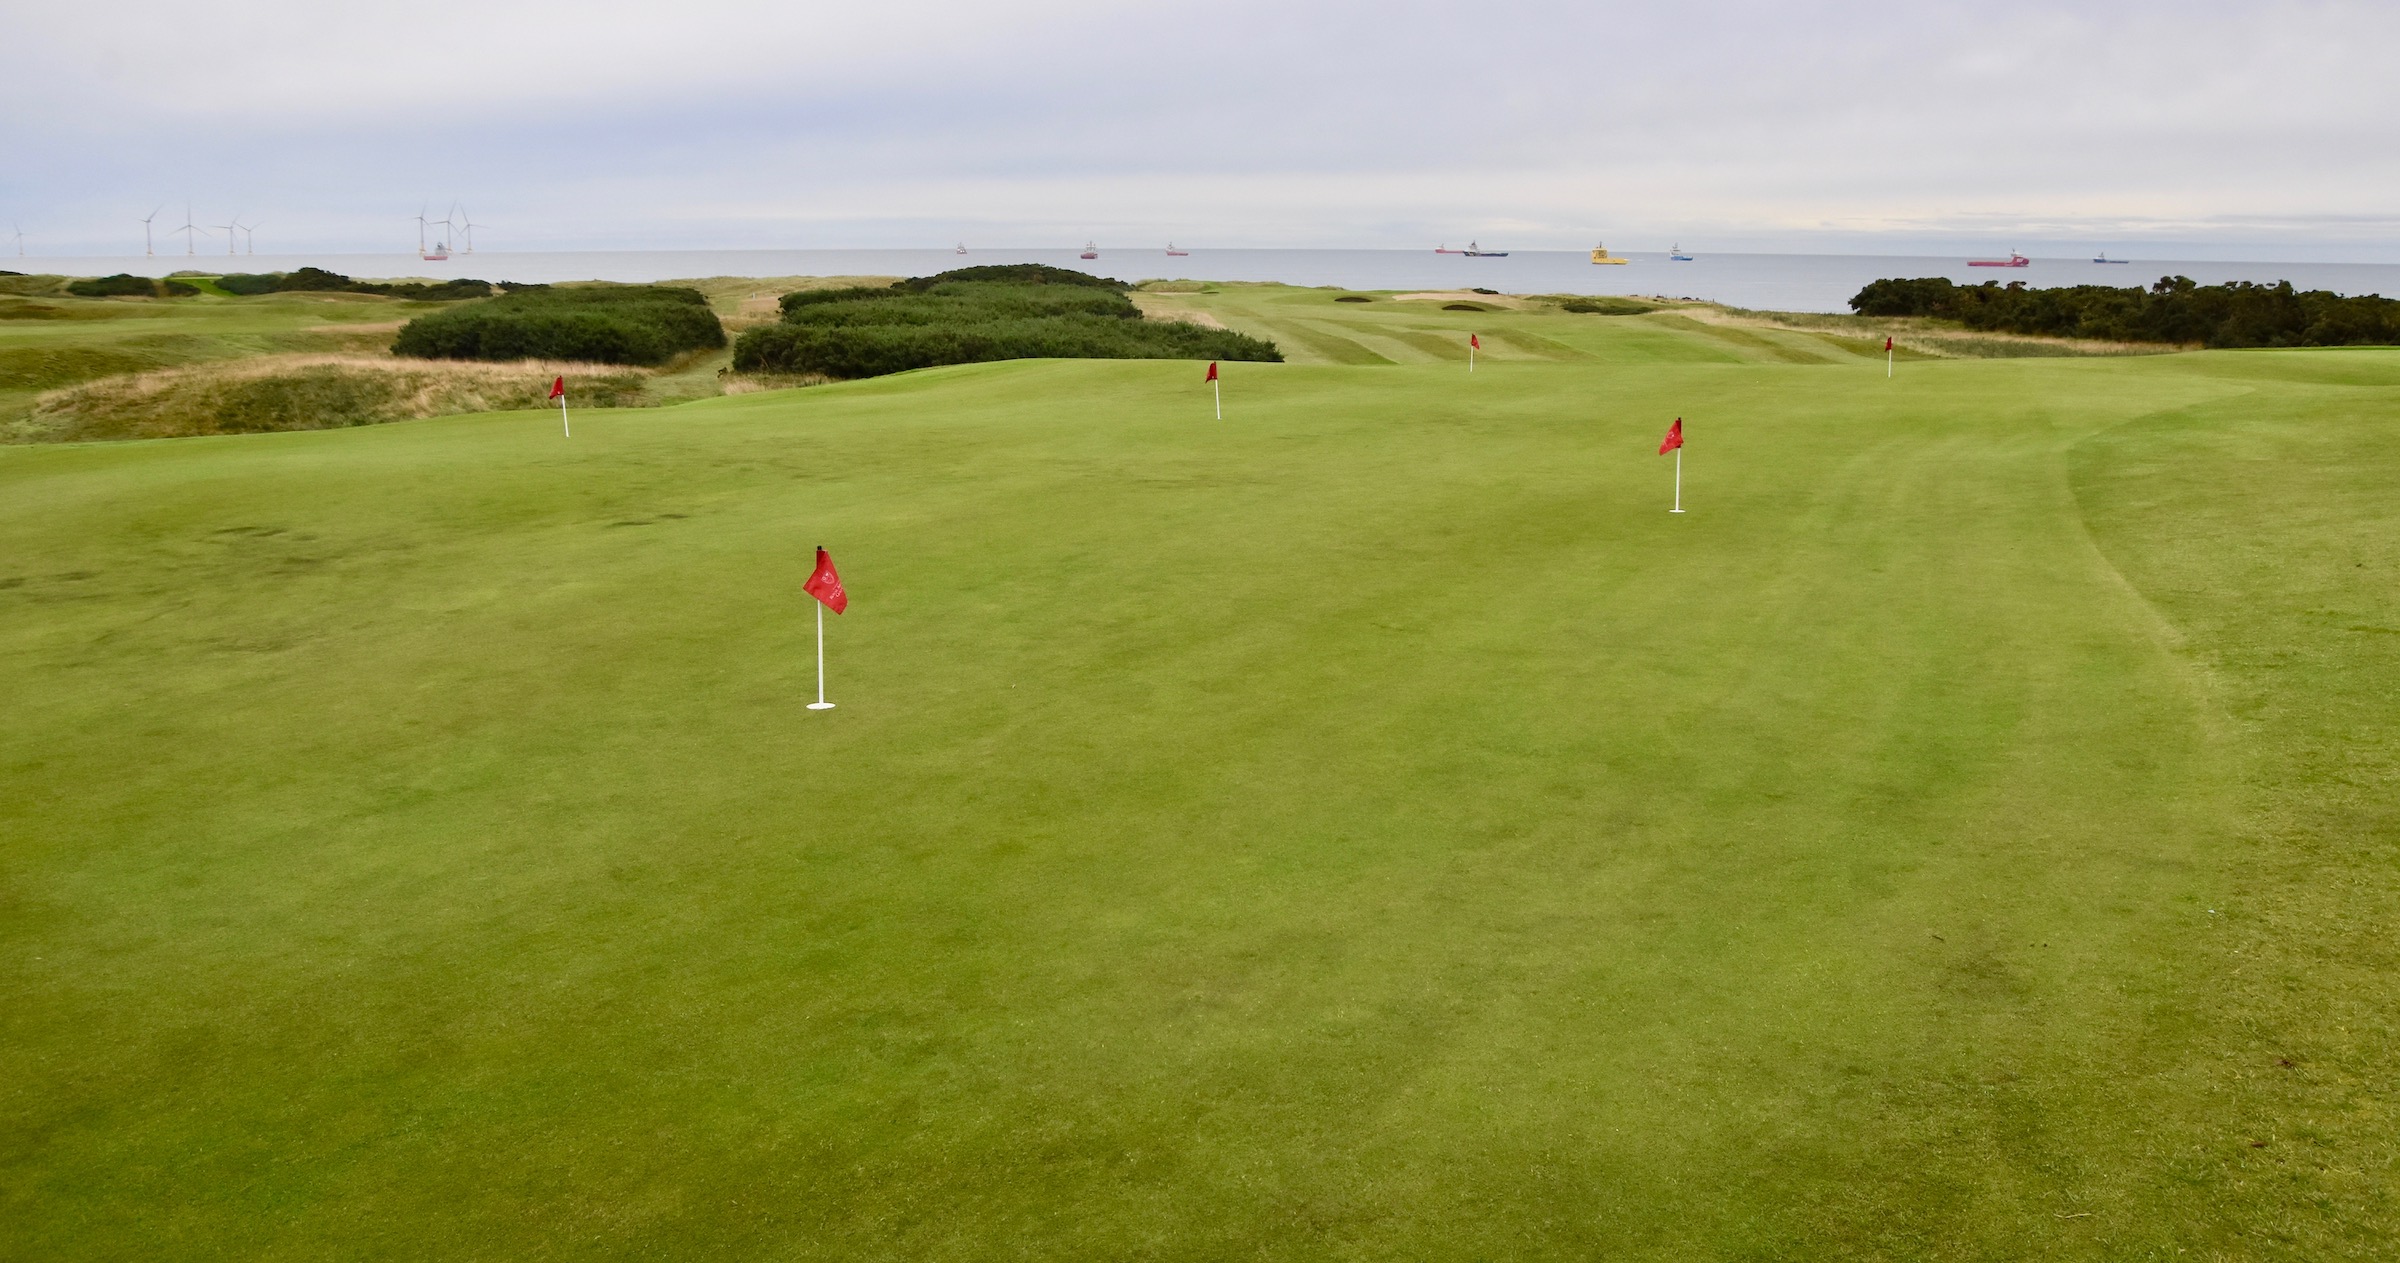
(308, 392)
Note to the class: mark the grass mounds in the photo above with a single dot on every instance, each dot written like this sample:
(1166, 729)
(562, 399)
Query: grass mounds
(1352, 298)
(1606, 305)
(318, 280)
(303, 392)
(127, 285)
(601, 324)
(2175, 310)
(975, 315)
(1464, 307)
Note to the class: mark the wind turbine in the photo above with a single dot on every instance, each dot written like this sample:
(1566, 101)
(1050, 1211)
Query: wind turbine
(421, 222)
(12, 227)
(467, 226)
(146, 228)
(447, 227)
(249, 243)
(187, 230)
(229, 230)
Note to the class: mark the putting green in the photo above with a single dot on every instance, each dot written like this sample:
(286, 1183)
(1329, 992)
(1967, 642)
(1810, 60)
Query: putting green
(1367, 827)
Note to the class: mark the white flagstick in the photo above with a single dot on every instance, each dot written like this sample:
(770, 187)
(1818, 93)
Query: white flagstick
(1219, 388)
(1678, 482)
(820, 703)
(1471, 354)
(1887, 359)
(563, 424)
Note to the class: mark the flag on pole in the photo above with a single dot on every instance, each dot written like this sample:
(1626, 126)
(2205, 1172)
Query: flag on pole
(1887, 356)
(826, 585)
(558, 388)
(1217, 389)
(1887, 346)
(1212, 370)
(558, 391)
(1474, 344)
(1674, 443)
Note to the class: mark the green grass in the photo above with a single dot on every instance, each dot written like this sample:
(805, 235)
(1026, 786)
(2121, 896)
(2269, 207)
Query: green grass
(1368, 827)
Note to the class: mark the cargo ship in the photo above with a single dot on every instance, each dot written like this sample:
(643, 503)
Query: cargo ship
(1174, 253)
(1600, 254)
(1474, 251)
(2014, 260)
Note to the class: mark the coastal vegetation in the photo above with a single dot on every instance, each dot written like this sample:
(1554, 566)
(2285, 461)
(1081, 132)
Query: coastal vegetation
(602, 324)
(975, 315)
(309, 280)
(122, 285)
(2175, 310)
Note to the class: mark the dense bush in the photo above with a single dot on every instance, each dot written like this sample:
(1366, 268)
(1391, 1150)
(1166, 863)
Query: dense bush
(628, 324)
(318, 280)
(974, 315)
(2176, 309)
(123, 285)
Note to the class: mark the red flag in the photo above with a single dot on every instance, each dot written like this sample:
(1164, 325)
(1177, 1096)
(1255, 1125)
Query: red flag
(1212, 370)
(1474, 341)
(825, 585)
(1887, 344)
(1674, 438)
(558, 388)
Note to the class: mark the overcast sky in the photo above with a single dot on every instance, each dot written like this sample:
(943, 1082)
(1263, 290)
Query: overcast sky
(2269, 130)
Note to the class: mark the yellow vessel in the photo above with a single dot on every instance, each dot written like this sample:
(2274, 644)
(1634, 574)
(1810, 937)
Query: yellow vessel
(1600, 254)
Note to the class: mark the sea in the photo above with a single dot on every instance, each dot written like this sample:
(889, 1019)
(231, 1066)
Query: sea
(1771, 282)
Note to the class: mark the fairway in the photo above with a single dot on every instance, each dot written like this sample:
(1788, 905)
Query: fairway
(1368, 827)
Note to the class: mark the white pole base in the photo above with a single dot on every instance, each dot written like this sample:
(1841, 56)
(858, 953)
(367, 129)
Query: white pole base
(820, 706)
(1674, 510)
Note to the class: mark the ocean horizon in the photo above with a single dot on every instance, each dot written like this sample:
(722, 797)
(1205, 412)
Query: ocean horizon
(1774, 282)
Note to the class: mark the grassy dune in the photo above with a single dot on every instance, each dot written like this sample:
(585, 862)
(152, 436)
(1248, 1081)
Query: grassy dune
(1367, 827)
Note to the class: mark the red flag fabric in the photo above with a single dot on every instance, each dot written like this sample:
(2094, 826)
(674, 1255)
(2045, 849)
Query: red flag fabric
(1475, 341)
(1212, 370)
(1887, 344)
(825, 585)
(1674, 438)
(558, 388)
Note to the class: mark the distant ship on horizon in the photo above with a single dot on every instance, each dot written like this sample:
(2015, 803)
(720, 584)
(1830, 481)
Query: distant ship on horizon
(1600, 254)
(1091, 250)
(1676, 253)
(2014, 260)
(1474, 251)
(2102, 257)
(1174, 253)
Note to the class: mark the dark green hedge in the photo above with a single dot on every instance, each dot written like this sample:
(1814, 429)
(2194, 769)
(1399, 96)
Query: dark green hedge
(2176, 310)
(974, 315)
(123, 285)
(318, 280)
(630, 324)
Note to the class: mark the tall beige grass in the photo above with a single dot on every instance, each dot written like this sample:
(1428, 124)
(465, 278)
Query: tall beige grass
(309, 392)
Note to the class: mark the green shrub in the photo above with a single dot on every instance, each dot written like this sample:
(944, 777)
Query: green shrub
(975, 315)
(630, 324)
(2176, 310)
(124, 285)
(318, 280)
(1606, 306)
